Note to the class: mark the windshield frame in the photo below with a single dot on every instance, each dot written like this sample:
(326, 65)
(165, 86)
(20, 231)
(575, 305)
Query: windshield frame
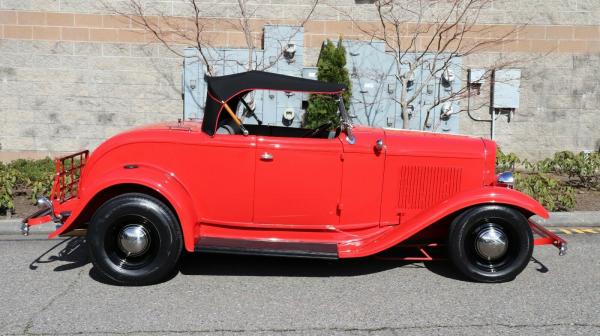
(346, 120)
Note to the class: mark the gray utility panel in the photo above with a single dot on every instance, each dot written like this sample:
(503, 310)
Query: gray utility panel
(506, 88)
(376, 91)
(283, 53)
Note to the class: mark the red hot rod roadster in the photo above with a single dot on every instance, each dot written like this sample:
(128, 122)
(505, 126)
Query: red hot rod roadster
(222, 185)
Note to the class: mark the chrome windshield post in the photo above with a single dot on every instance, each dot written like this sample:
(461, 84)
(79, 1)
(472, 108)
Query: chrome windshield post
(346, 122)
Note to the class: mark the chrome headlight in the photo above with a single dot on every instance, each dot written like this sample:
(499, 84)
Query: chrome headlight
(506, 179)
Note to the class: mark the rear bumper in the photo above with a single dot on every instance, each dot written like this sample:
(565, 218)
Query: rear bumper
(65, 190)
(546, 237)
(44, 215)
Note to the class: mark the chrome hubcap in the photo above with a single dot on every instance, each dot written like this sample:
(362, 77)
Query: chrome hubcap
(491, 243)
(134, 240)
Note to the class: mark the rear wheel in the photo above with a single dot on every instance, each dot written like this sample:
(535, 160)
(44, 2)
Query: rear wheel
(134, 239)
(490, 243)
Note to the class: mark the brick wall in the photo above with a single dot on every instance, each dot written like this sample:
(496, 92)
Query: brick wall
(71, 75)
(52, 26)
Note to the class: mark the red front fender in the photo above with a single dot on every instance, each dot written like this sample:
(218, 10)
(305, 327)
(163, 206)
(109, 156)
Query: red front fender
(463, 200)
(148, 176)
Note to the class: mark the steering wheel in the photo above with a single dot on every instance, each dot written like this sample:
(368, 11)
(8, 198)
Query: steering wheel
(319, 129)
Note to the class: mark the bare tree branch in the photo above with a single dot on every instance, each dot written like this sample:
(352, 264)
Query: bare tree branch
(193, 29)
(430, 43)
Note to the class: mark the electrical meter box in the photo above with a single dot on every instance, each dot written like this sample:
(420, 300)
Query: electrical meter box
(507, 84)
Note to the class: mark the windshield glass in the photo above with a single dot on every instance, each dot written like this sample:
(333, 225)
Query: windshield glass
(282, 113)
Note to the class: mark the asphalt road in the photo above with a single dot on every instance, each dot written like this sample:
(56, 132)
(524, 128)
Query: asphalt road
(49, 287)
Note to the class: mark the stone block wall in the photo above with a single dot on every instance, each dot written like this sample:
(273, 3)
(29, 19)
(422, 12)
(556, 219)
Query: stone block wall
(72, 75)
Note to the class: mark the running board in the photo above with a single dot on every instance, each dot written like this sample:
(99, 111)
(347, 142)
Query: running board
(267, 248)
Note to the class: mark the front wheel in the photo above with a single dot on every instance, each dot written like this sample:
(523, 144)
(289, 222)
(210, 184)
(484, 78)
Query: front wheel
(134, 239)
(490, 243)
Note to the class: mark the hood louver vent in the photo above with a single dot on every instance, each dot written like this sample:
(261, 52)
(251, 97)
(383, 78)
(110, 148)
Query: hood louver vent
(421, 187)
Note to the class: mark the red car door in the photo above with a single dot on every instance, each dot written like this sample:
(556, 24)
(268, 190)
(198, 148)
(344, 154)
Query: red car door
(363, 179)
(297, 181)
(222, 178)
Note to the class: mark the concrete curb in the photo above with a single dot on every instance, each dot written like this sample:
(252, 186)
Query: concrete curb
(570, 219)
(13, 226)
(557, 219)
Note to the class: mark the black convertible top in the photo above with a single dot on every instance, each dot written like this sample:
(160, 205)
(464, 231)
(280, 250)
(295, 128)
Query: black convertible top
(231, 88)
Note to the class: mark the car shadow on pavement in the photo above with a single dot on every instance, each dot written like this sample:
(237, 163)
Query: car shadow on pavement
(445, 269)
(70, 253)
(244, 265)
(540, 267)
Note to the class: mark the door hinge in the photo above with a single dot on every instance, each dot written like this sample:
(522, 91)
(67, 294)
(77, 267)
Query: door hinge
(342, 157)
(339, 208)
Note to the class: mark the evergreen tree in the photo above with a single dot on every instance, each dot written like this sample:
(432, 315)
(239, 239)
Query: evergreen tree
(330, 68)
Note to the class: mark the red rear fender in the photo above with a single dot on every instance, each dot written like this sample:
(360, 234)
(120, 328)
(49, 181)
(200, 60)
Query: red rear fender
(461, 201)
(160, 181)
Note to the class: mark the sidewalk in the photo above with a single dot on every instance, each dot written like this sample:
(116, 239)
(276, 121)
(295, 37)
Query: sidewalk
(557, 219)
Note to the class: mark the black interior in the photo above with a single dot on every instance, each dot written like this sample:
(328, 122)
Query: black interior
(232, 88)
(289, 132)
(322, 132)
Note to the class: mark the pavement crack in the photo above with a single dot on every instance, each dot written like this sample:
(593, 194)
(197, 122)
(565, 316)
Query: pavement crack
(394, 330)
(65, 291)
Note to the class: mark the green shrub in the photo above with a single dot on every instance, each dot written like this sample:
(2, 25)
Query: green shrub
(8, 180)
(506, 162)
(582, 169)
(547, 190)
(543, 166)
(42, 187)
(585, 167)
(35, 174)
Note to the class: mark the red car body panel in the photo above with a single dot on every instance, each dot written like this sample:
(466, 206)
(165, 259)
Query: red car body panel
(460, 201)
(311, 190)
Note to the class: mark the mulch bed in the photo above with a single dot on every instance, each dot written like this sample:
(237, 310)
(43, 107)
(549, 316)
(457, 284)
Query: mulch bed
(587, 200)
(23, 205)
